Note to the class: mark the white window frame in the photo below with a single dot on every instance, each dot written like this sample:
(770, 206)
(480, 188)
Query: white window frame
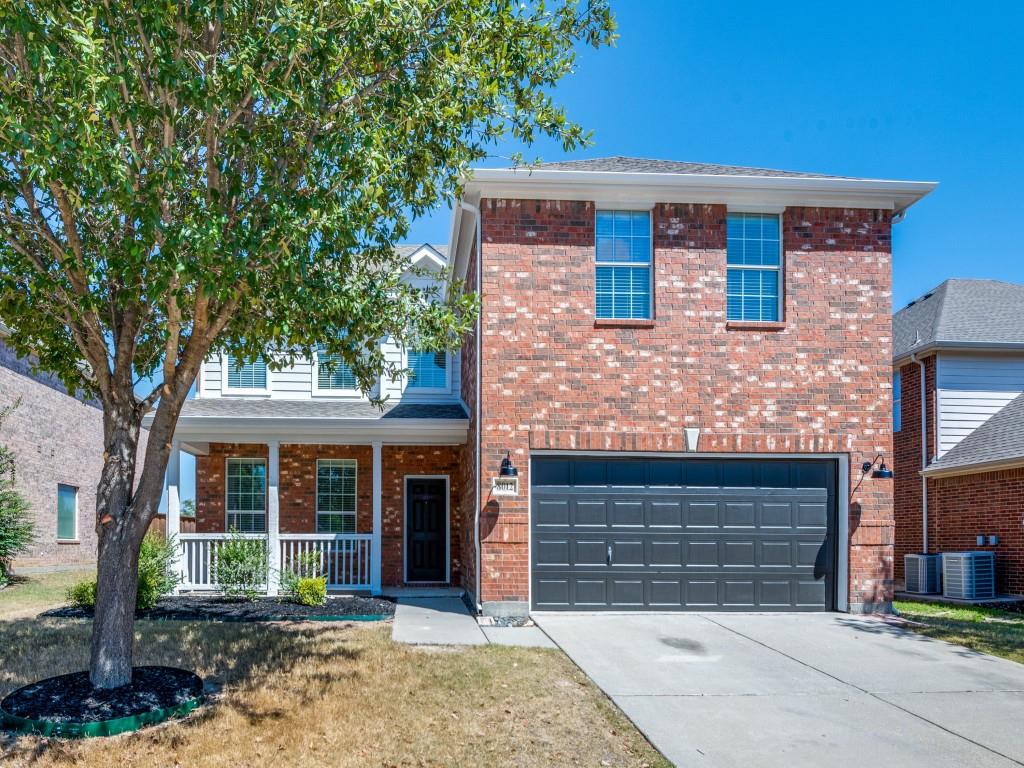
(897, 403)
(779, 269)
(227, 389)
(319, 391)
(355, 492)
(649, 210)
(227, 508)
(446, 389)
(74, 538)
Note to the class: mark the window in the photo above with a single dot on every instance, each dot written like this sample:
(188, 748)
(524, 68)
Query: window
(67, 513)
(336, 496)
(754, 267)
(623, 280)
(247, 495)
(246, 375)
(897, 402)
(338, 378)
(428, 370)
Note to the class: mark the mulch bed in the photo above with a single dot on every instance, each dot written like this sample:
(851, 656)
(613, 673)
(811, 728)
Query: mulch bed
(68, 705)
(215, 608)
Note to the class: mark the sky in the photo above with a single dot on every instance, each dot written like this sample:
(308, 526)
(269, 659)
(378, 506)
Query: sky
(923, 92)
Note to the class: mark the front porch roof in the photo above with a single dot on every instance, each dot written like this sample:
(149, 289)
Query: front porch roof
(246, 420)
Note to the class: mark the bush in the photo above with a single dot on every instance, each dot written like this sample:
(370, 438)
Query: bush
(16, 527)
(156, 570)
(304, 566)
(241, 567)
(311, 591)
(83, 594)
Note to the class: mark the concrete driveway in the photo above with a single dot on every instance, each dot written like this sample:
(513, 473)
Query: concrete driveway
(762, 690)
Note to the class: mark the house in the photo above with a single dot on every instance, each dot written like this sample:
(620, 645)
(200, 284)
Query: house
(57, 440)
(677, 373)
(959, 461)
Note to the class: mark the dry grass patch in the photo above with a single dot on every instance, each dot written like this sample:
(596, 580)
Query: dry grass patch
(32, 593)
(338, 695)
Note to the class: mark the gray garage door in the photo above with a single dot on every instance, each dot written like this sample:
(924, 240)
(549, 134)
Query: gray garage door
(682, 534)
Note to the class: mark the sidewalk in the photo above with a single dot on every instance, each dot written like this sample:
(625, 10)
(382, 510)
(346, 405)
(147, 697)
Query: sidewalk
(447, 621)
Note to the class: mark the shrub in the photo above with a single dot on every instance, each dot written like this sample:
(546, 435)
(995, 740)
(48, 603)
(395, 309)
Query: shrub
(302, 566)
(241, 567)
(156, 570)
(311, 591)
(83, 594)
(16, 527)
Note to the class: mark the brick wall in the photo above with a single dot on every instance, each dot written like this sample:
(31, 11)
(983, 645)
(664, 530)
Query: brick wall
(469, 485)
(555, 377)
(907, 461)
(961, 508)
(297, 491)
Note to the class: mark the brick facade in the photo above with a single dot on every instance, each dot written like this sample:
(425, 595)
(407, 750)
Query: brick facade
(555, 377)
(297, 491)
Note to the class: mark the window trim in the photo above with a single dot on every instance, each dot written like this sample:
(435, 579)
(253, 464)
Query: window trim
(355, 495)
(445, 390)
(227, 508)
(780, 268)
(227, 389)
(319, 391)
(624, 207)
(897, 402)
(74, 538)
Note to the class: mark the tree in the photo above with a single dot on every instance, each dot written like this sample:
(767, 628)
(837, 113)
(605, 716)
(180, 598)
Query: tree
(16, 526)
(183, 178)
(188, 508)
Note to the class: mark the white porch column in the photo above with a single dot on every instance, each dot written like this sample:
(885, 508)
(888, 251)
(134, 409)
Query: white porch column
(375, 553)
(173, 520)
(273, 519)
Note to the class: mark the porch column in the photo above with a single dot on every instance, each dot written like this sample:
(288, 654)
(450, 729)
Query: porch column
(173, 520)
(375, 553)
(273, 518)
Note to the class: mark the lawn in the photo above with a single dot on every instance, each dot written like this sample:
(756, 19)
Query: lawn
(337, 695)
(31, 593)
(1000, 633)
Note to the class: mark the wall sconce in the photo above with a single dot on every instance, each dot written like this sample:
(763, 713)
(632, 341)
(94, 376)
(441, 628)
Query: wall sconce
(882, 473)
(507, 481)
(507, 470)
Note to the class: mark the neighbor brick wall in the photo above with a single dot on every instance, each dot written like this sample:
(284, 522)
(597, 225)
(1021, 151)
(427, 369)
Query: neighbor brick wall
(469, 485)
(554, 377)
(961, 508)
(297, 491)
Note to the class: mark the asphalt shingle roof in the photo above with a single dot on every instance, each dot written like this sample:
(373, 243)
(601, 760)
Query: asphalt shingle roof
(228, 407)
(621, 164)
(1001, 438)
(961, 311)
(408, 249)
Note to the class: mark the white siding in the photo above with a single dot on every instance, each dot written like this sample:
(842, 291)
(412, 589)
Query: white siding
(970, 389)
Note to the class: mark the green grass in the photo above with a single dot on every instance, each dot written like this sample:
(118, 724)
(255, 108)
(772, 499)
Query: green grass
(38, 591)
(1000, 633)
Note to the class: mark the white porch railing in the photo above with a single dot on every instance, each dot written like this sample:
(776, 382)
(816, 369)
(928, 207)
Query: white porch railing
(345, 558)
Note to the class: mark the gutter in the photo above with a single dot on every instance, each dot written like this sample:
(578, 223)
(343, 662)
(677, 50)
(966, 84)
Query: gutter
(973, 469)
(924, 455)
(939, 346)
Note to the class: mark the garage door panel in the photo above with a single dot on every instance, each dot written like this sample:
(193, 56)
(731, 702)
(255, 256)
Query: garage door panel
(763, 542)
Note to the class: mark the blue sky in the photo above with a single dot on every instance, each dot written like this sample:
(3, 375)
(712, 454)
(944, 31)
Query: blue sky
(883, 90)
(916, 92)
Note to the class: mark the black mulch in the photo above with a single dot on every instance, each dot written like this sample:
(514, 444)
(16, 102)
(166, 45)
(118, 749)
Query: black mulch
(72, 699)
(216, 608)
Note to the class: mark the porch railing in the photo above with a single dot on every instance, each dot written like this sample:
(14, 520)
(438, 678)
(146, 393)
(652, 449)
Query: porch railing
(345, 558)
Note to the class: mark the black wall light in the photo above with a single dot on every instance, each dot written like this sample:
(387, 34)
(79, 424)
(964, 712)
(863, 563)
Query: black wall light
(882, 473)
(507, 470)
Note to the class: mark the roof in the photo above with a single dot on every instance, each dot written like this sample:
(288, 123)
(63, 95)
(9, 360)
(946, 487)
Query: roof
(961, 314)
(244, 408)
(620, 164)
(408, 249)
(998, 442)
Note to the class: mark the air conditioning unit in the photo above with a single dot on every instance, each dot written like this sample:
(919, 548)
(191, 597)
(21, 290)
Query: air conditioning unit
(923, 573)
(969, 575)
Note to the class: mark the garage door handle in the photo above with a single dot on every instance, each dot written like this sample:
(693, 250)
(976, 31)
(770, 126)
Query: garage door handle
(609, 554)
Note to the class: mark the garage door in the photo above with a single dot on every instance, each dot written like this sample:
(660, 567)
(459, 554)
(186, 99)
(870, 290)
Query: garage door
(682, 534)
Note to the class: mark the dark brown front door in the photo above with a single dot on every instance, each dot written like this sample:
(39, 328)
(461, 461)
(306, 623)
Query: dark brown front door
(426, 534)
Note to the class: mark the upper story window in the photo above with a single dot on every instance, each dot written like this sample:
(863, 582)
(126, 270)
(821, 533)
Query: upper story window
(428, 370)
(333, 375)
(754, 267)
(897, 402)
(67, 512)
(623, 255)
(246, 376)
(336, 496)
(247, 495)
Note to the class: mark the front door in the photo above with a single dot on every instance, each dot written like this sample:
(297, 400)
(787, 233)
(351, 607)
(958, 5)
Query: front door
(426, 529)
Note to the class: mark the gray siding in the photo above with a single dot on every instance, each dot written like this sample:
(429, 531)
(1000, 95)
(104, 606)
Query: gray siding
(970, 389)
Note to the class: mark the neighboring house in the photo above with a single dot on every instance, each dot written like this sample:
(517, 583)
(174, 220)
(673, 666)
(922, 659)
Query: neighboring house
(57, 441)
(686, 365)
(961, 467)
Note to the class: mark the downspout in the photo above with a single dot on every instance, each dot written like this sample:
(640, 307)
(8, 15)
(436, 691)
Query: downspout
(476, 406)
(924, 455)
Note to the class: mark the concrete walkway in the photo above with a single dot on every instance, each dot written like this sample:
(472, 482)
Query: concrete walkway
(800, 690)
(447, 621)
